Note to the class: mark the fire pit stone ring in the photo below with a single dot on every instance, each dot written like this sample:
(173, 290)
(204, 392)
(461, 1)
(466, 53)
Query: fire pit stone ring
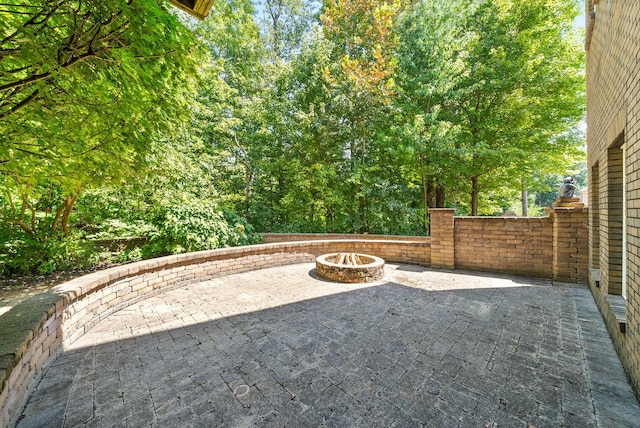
(350, 267)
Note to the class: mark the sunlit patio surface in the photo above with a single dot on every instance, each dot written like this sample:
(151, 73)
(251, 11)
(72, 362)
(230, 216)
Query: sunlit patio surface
(282, 348)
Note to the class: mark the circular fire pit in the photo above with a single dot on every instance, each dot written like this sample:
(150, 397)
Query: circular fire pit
(350, 267)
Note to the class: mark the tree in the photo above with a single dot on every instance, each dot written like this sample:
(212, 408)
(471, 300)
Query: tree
(231, 118)
(521, 89)
(512, 89)
(84, 87)
(428, 65)
(175, 207)
(286, 24)
(361, 33)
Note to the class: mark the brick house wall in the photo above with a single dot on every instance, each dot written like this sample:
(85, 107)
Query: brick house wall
(613, 129)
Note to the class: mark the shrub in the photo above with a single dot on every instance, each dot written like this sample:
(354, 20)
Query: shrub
(23, 254)
(195, 225)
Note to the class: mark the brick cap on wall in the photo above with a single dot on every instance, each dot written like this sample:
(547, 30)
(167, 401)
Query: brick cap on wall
(441, 210)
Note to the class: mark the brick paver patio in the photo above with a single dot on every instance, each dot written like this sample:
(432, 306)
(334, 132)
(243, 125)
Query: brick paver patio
(281, 348)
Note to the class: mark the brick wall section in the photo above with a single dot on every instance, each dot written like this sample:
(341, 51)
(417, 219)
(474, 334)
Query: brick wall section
(442, 238)
(611, 257)
(613, 111)
(594, 216)
(519, 246)
(570, 244)
(516, 245)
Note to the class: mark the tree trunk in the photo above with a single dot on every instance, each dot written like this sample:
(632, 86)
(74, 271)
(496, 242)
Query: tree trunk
(425, 195)
(364, 227)
(18, 219)
(58, 216)
(248, 175)
(68, 207)
(525, 200)
(474, 195)
(431, 193)
(249, 178)
(440, 196)
(329, 218)
(11, 204)
(426, 184)
(364, 143)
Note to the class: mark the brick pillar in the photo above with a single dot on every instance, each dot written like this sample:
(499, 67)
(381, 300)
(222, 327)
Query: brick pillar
(442, 238)
(570, 240)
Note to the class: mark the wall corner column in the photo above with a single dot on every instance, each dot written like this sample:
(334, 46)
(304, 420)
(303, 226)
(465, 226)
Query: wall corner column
(570, 241)
(442, 238)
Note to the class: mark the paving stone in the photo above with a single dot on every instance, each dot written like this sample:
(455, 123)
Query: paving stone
(116, 414)
(442, 415)
(175, 416)
(207, 419)
(422, 348)
(142, 411)
(43, 417)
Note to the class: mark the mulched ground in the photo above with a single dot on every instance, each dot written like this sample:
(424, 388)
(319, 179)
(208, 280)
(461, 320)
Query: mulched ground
(16, 290)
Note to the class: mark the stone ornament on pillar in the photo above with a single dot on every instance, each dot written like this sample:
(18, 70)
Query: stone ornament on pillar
(566, 195)
(567, 188)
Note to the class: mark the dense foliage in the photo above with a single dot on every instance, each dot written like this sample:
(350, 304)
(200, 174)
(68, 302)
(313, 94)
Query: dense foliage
(126, 118)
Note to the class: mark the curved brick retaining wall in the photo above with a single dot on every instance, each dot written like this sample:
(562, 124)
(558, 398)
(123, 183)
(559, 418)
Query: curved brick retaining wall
(35, 332)
(289, 237)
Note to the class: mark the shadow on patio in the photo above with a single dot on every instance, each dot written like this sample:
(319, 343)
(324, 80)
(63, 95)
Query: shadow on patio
(423, 348)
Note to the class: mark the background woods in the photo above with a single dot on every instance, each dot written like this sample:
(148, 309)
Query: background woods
(127, 118)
